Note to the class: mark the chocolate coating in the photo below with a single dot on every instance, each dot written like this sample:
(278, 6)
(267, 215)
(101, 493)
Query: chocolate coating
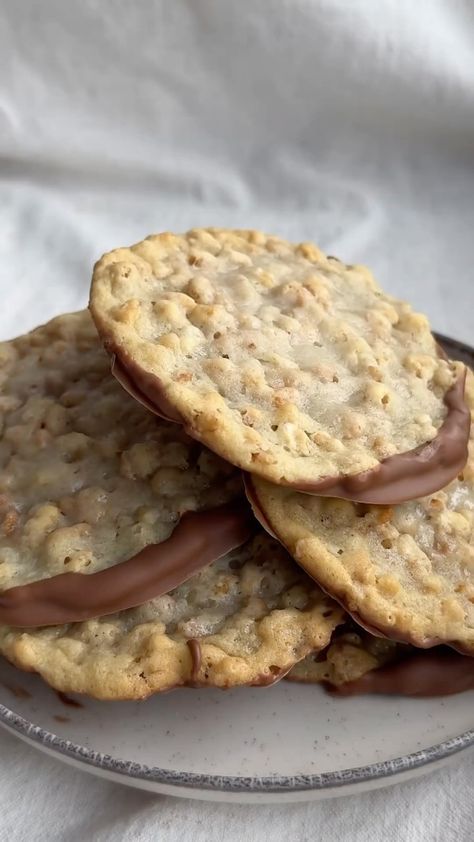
(195, 652)
(440, 672)
(199, 539)
(416, 473)
(404, 476)
(260, 515)
(375, 630)
(121, 375)
(139, 384)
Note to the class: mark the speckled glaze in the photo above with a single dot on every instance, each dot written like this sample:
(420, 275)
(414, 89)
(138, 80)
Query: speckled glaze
(275, 740)
(286, 743)
(188, 783)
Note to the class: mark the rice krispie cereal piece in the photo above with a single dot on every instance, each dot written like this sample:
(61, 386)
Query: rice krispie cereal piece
(286, 362)
(88, 478)
(405, 571)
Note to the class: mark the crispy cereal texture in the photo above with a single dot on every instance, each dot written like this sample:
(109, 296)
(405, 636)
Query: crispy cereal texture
(254, 613)
(88, 478)
(406, 571)
(287, 363)
(349, 656)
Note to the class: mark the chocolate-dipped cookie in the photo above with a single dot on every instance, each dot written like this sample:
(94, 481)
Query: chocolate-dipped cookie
(351, 654)
(405, 571)
(289, 364)
(356, 664)
(129, 559)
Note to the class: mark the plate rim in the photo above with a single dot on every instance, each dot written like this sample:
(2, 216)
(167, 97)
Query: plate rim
(260, 784)
(267, 784)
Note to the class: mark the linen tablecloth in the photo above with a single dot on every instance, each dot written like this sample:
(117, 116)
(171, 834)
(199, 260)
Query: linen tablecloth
(348, 123)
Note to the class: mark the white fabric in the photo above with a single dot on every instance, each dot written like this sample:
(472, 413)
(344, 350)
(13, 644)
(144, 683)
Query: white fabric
(351, 123)
(44, 801)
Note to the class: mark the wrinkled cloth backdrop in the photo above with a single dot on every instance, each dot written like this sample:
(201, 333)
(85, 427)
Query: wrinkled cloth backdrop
(348, 123)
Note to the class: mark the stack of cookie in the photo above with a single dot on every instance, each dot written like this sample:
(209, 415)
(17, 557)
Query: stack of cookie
(246, 462)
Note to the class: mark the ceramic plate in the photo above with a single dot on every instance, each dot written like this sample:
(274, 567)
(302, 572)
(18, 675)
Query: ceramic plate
(289, 742)
(285, 743)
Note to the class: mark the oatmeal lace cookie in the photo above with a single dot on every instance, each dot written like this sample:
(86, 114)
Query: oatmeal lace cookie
(288, 363)
(406, 571)
(88, 481)
(350, 655)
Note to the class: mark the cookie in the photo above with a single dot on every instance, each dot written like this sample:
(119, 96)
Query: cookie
(350, 655)
(89, 483)
(357, 663)
(287, 363)
(417, 674)
(405, 571)
(245, 619)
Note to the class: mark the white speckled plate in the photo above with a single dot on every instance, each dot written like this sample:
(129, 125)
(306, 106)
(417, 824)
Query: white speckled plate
(289, 742)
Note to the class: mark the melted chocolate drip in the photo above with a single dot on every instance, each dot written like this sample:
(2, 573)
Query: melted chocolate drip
(195, 651)
(122, 376)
